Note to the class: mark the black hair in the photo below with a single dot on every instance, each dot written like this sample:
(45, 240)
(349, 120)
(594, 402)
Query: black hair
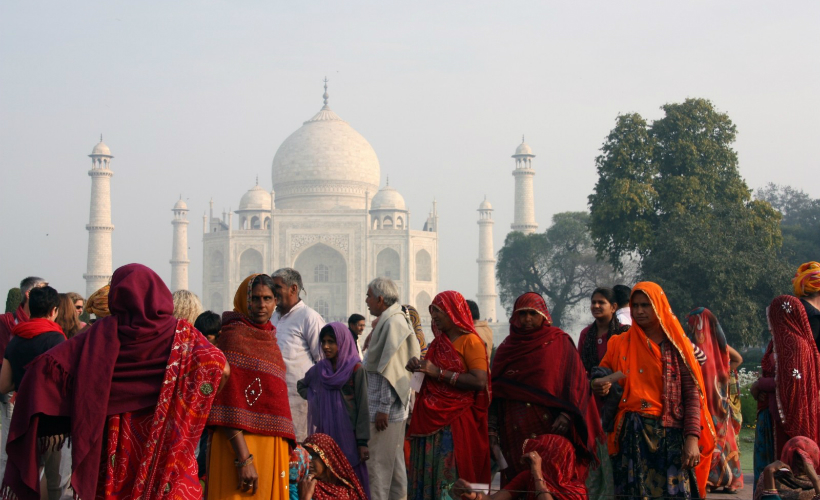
(354, 318)
(42, 300)
(622, 293)
(589, 351)
(474, 312)
(208, 323)
(327, 331)
(262, 279)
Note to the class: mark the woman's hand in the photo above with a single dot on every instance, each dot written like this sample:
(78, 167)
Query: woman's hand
(413, 365)
(812, 475)
(768, 474)
(561, 425)
(463, 489)
(535, 463)
(429, 369)
(364, 454)
(248, 478)
(306, 487)
(690, 457)
(600, 388)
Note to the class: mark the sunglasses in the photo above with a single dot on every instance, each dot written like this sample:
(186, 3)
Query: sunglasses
(79, 308)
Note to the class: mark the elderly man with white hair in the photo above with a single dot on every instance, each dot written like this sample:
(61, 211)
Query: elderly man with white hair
(392, 345)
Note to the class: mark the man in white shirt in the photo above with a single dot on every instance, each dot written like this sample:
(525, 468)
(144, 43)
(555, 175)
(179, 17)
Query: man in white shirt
(297, 333)
(622, 293)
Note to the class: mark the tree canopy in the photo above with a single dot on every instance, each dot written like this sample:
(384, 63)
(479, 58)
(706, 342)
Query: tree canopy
(13, 299)
(671, 192)
(560, 264)
(800, 224)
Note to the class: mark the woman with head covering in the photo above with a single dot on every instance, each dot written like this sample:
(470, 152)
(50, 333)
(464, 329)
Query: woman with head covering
(98, 303)
(541, 387)
(415, 320)
(789, 384)
(795, 475)
(448, 431)
(705, 332)
(330, 476)
(550, 474)
(663, 434)
(299, 466)
(335, 386)
(253, 431)
(132, 394)
(806, 284)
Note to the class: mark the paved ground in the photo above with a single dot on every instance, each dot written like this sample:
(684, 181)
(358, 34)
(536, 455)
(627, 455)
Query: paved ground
(744, 494)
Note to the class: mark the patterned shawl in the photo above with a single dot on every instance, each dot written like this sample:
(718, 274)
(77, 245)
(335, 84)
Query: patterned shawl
(543, 367)
(439, 404)
(558, 467)
(255, 397)
(628, 351)
(326, 448)
(415, 319)
(797, 369)
(705, 332)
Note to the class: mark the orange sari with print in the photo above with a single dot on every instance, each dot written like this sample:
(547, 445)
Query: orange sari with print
(640, 360)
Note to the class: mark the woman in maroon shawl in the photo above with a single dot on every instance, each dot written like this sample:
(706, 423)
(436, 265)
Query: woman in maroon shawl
(448, 431)
(795, 403)
(250, 447)
(541, 387)
(134, 389)
(331, 477)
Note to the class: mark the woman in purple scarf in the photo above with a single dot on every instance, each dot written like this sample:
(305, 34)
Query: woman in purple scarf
(335, 385)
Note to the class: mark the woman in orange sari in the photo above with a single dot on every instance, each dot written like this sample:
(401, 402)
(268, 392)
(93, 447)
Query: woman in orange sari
(664, 436)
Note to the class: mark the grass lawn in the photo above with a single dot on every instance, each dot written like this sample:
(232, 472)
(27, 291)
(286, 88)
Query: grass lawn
(747, 442)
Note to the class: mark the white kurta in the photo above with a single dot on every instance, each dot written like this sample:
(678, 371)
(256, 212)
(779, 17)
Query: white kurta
(297, 334)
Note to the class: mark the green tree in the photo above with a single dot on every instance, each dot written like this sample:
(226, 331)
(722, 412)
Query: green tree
(671, 193)
(560, 264)
(800, 224)
(13, 299)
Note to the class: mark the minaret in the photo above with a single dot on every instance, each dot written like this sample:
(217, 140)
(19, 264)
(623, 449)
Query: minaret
(179, 251)
(486, 262)
(524, 220)
(100, 267)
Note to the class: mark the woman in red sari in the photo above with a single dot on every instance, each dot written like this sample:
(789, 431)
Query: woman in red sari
(132, 393)
(705, 332)
(541, 387)
(331, 477)
(794, 404)
(448, 431)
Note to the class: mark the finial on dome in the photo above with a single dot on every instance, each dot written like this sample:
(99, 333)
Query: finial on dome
(257, 179)
(387, 182)
(522, 138)
(325, 96)
(100, 137)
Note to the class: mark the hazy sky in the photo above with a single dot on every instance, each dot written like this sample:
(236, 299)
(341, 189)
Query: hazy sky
(196, 97)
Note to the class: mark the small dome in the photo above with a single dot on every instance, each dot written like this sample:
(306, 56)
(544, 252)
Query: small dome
(255, 199)
(181, 205)
(101, 149)
(523, 149)
(485, 205)
(388, 199)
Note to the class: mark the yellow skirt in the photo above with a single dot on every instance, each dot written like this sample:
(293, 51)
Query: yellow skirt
(271, 456)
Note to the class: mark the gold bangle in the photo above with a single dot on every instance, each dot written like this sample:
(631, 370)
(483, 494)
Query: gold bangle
(236, 434)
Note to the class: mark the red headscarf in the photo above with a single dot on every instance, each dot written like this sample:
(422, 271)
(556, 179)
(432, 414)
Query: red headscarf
(439, 404)
(797, 369)
(333, 458)
(803, 447)
(543, 367)
(558, 467)
(116, 366)
(706, 333)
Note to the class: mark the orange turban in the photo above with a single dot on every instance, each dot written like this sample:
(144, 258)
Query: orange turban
(98, 303)
(807, 279)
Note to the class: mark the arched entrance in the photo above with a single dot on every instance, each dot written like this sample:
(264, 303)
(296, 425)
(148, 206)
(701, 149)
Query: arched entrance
(324, 274)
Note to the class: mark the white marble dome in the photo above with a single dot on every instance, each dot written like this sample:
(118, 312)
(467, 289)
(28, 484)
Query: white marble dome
(101, 149)
(180, 205)
(255, 199)
(325, 164)
(523, 149)
(388, 199)
(485, 205)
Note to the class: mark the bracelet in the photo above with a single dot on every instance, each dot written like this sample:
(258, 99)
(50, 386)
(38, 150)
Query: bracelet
(440, 374)
(236, 434)
(243, 463)
(454, 378)
(771, 492)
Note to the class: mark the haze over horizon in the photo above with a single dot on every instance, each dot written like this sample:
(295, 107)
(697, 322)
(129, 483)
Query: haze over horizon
(194, 98)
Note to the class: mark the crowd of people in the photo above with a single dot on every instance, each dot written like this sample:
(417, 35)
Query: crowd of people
(156, 398)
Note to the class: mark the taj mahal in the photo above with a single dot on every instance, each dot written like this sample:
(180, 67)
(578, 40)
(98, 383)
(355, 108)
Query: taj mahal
(327, 216)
